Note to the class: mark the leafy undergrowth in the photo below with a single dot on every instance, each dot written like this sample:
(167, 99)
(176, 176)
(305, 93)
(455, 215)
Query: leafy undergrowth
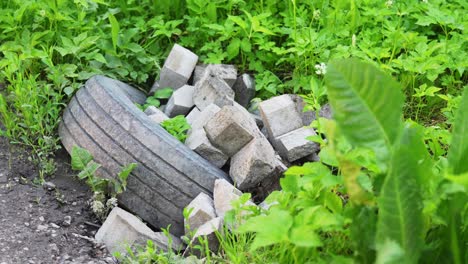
(385, 191)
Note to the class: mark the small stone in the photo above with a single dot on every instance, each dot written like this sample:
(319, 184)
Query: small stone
(211, 89)
(177, 68)
(199, 142)
(49, 186)
(229, 130)
(54, 225)
(67, 220)
(202, 211)
(252, 163)
(226, 72)
(280, 115)
(41, 218)
(244, 88)
(294, 145)
(181, 101)
(42, 227)
(26, 224)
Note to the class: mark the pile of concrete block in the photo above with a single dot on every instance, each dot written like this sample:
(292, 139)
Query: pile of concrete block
(254, 146)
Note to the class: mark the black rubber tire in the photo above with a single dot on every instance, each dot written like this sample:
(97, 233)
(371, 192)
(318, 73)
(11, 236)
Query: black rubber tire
(102, 118)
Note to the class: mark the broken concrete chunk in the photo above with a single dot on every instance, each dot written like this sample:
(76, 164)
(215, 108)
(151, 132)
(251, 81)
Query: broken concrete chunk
(198, 142)
(280, 115)
(224, 194)
(181, 101)
(158, 118)
(202, 211)
(122, 229)
(177, 68)
(205, 116)
(326, 111)
(294, 145)
(226, 72)
(211, 89)
(252, 163)
(229, 130)
(192, 115)
(207, 230)
(244, 89)
(155, 114)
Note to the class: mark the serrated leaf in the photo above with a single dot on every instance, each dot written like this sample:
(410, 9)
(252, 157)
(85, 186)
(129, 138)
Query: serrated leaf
(400, 217)
(458, 152)
(80, 157)
(367, 104)
(233, 48)
(270, 229)
(305, 236)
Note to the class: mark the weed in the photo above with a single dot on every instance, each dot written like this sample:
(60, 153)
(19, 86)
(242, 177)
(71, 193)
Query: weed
(104, 198)
(177, 126)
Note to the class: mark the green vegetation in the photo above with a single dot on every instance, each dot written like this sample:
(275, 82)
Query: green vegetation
(104, 190)
(155, 99)
(177, 126)
(391, 185)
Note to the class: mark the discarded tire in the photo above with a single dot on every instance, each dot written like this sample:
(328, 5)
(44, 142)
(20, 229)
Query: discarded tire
(102, 118)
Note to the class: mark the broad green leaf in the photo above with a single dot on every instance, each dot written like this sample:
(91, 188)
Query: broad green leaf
(367, 104)
(400, 219)
(458, 153)
(459, 179)
(305, 236)
(270, 229)
(80, 157)
(89, 171)
(164, 93)
(115, 28)
(123, 175)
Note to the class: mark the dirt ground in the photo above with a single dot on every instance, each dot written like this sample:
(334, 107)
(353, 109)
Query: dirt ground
(51, 224)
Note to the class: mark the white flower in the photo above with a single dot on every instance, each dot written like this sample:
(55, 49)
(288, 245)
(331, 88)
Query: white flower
(389, 3)
(321, 68)
(97, 207)
(111, 203)
(425, 1)
(316, 14)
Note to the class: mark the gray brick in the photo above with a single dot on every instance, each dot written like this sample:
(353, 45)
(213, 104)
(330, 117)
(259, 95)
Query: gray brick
(294, 145)
(181, 101)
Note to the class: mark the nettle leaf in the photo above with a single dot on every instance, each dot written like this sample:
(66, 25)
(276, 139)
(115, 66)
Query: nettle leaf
(270, 229)
(367, 104)
(458, 153)
(80, 157)
(400, 219)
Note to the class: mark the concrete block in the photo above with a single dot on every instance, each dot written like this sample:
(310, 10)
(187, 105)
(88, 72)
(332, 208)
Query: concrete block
(253, 163)
(193, 115)
(294, 145)
(280, 115)
(177, 68)
(207, 230)
(198, 142)
(205, 116)
(211, 89)
(229, 130)
(258, 120)
(202, 211)
(225, 72)
(244, 89)
(181, 101)
(155, 114)
(224, 194)
(123, 229)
